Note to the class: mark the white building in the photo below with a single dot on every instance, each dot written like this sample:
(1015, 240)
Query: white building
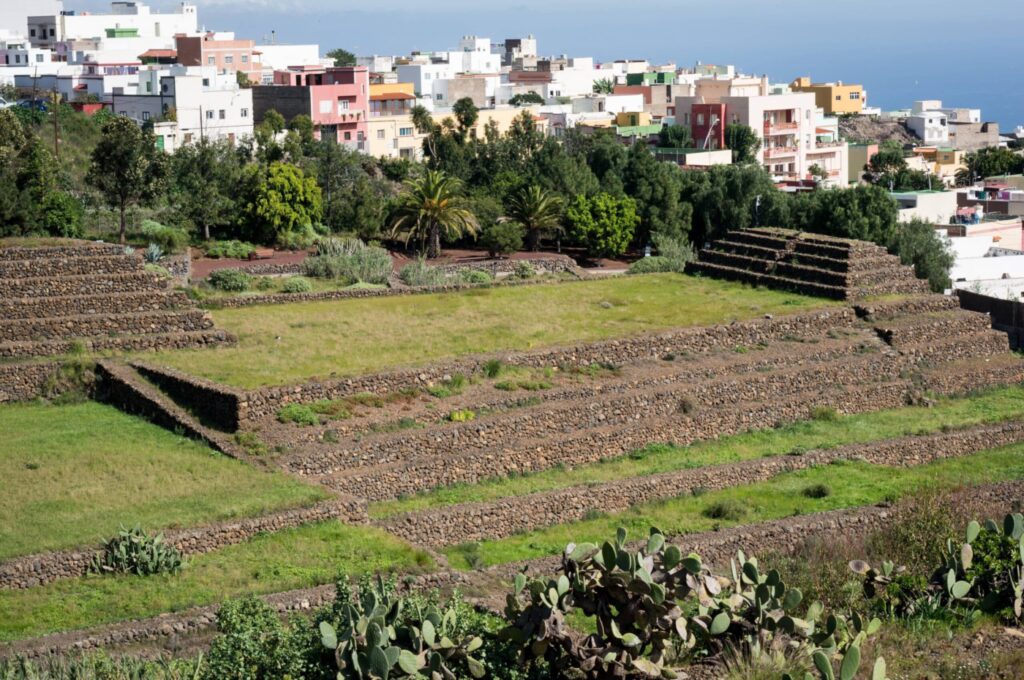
(14, 15)
(280, 57)
(928, 122)
(202, 103)
(937, 207)
(125, 19)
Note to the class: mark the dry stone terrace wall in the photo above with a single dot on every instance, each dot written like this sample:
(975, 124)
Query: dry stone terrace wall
(79, 325)
(24, 382)
(33, 570)
(266, 402)
(22, 253)
(71, 266)
(115, 303)
(218, 405)
(130, 282)
(504, 517)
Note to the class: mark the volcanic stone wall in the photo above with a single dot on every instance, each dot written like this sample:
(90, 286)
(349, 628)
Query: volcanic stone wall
(33, 570)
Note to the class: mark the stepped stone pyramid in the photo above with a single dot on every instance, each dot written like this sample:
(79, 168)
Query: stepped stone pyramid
(55, 300)
(836, 268)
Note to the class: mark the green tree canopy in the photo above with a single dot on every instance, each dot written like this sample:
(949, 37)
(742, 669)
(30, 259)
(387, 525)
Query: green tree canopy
(342, 57)
(743, 142)
(603, 223)
(206, 177)
(537, 211)
(126, 168)
(433, 205)
(282, 201)
(526, 98)
(675, 137)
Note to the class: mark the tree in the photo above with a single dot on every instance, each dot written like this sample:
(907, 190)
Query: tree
(656, 188)
(126, 167)
(206, 177)
(990, 162)
(274, 121)
(743, 141)
(604, 86)
(354, 202)
(817, 173)
(242, 78)
(728, 197)
(526, 98)
(675, 137)
(342, 57)
(466, 115)
(61, 215)
(537, 211)
(503, 238)
(865, 212)
(430, 206)
(283, 200)
(603, 223)
(918, 243)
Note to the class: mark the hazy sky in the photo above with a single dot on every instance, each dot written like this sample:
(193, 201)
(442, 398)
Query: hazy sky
(901, 50)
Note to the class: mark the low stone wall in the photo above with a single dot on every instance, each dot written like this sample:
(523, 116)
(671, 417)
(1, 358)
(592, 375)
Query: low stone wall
(266, 402)
(124, 343)
(33, 570)
(131, 282)
(482, 521)
(115, 303)
(26, 381)
(285, 298)
(921, 328)
(179, 266)
(22, 253)
(883, 311)
(550, 265)
(217, 404)
(100, 325)
(68, 266)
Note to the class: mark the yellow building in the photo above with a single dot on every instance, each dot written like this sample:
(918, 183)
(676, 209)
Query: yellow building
(835, 98)
(941, 161)
(393, 137)
(378, 89)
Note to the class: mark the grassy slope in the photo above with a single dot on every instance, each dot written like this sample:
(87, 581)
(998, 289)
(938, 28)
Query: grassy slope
(282, 344)
(72, 474)
(851, 484)
(996, 405)
(295, 558)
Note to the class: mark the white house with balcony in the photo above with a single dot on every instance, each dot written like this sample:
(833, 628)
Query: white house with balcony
(929, 122)
(125, 19)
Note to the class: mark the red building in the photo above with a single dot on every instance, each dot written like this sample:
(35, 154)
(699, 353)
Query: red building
(337, 100)
(707, 125)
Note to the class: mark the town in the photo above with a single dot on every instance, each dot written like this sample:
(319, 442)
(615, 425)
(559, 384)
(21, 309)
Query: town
(497, 362)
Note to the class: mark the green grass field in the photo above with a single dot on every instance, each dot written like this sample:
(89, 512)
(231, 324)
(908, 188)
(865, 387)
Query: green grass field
(73, 474)
(992, 406)
(280, 344)
(850, 484)
(306, 556)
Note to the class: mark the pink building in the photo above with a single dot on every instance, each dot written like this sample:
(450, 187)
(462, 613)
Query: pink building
(221, 51)
(337, 99)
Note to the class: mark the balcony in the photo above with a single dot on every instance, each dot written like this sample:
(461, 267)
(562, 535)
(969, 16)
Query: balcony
(782, 128)
(779, 151)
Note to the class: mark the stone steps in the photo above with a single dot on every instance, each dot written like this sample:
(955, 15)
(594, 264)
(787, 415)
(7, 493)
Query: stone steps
(81, 284)
(114, 303)
(932, 326)
(124, 343)
(105, 325)
(69, 266)
(744, 276)
(779, 268)
(13, 253)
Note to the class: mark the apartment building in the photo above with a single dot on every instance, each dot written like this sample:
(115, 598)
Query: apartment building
(834, 98)
(336, 98)
(786, 125)
(198, 102)
(222, 52)
(125, 19)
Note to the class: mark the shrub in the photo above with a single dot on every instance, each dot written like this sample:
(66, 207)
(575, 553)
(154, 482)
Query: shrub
(230, 280)
(153, 254)
(524, 270)
(235, 250)
(493, 367)
(265, 283)
(449, 387)
(825, 414)
(169, 239)
(334, 410)
(817, 491)
(133, 551)
(299, 414)
(729, 510)
(300, 239)
(253, 643)
(350, 261)
(297, 284)
(673, 256)
(462, 416)
(474, 276)
(61, 215)
(502, 238)
(419, 273)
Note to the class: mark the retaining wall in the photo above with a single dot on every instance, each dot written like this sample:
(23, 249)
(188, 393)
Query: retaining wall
(61, 286)
(482, 521)
(33, 570)
(69, 266)
(100, 325)
(65, 251)
(73, 305)
(26, 381)
(176, 340)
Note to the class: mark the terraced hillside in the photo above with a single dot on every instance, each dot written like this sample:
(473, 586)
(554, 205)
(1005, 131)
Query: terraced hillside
(76, 298)
(810, 263)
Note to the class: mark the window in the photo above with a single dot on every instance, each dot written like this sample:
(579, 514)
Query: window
(839, 97)
(206, 82)
(855, 95)
(211, 60)
(32, 33)
(245, 58)
(700, 119)
(405, 132)
(229, 59)
(163, 87)
(244, 113)
(360, 136)
(343, 105)
(209, 115)
(149, 87)
(440, 96)
(145, 115)
(39, 58)
(380, 134)
(52, 33)
(426, 76)
(222, 114)
(348, 136)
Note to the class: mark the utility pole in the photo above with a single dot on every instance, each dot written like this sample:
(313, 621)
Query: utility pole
(56, 130)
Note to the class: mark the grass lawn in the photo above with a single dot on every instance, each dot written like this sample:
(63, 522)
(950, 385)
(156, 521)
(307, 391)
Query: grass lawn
(306, 556)
(850, 483)
(72, 474)
(280, 344)
(992, 406)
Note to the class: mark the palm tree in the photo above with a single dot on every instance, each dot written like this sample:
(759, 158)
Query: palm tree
(432, 204)
(537, 211)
